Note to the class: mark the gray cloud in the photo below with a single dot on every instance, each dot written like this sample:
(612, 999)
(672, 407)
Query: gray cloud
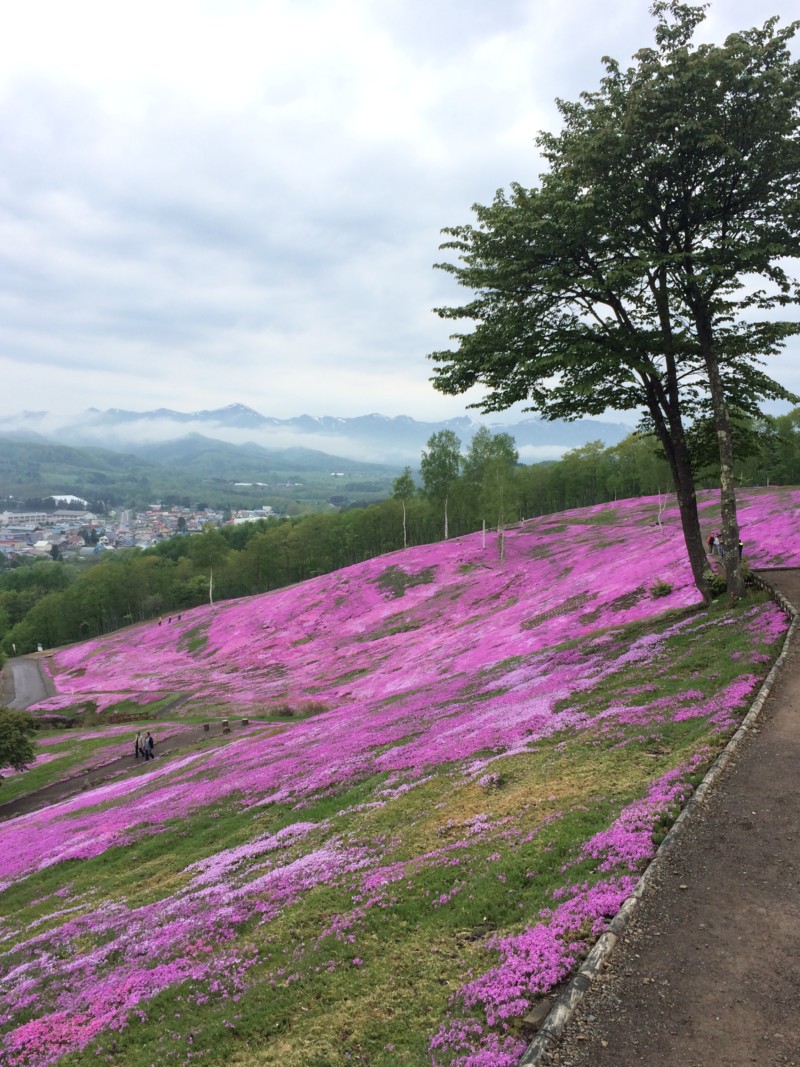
(210, 203)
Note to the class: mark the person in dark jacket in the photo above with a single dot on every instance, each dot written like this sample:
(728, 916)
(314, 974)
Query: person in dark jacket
(149, 745)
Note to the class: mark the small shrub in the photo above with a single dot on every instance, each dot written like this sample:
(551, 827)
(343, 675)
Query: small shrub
(664, 824)
(717, 583)
(300, 711)
(50, 719)
(660, 588)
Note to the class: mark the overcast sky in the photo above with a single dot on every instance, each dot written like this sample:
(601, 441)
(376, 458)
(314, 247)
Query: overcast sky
(205, 202)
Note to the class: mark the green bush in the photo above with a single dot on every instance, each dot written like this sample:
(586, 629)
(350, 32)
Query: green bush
(660, 588)
(717, 583)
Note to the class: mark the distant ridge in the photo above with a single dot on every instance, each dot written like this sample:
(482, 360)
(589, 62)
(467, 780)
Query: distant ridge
(373, 438)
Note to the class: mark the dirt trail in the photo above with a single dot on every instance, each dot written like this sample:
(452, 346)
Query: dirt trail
(707, 973)
(124, 765)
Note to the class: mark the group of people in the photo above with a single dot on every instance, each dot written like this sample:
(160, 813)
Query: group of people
(715, 545)
(144, 745)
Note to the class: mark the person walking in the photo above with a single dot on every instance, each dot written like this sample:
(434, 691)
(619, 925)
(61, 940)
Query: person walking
(149, 745)
(138, 749)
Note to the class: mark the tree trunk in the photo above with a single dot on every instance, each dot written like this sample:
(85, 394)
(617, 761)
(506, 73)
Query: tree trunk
(683, 480)
(673, 442)
(722, 425)
(664, 405)
(501, 539)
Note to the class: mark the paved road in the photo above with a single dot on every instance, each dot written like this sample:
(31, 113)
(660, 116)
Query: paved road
(707, 973)
(27, 681)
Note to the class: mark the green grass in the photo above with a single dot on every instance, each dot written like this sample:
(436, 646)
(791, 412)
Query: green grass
(567, 607)
(72, 757)
(305, 998)
(395, 624)
(413, 952)
(395, 581)
(702, 650)
(194, 639)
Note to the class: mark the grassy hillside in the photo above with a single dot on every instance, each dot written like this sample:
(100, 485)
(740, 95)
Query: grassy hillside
(455, 770)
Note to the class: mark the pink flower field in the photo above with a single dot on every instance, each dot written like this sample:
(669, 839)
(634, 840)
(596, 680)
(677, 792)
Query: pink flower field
(456, 779)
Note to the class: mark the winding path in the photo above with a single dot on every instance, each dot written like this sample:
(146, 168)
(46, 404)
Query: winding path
(166, 744)
(25, 682)
(707, 972)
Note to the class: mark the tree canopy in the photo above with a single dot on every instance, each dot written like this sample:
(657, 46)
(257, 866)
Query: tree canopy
(489, 467)
(16, 748)
(645, 269)
(440, 466)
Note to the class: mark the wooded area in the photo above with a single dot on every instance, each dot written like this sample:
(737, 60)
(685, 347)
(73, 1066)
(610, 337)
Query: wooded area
(57, 603)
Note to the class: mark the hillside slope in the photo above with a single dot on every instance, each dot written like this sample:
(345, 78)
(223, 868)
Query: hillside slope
(461, 764)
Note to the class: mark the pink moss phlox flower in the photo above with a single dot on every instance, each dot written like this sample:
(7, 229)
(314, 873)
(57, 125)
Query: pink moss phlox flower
(531, 962)
(474, 665)
(628, 841)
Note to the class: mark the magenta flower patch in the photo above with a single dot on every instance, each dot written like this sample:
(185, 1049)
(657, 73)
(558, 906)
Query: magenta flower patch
(380, 692)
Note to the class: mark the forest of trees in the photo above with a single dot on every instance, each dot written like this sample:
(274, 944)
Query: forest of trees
(56, 603)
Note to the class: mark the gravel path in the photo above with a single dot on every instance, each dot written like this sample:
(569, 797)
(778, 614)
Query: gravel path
(707, 972)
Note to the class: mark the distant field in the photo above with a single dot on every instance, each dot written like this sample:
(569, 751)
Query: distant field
(457, 770)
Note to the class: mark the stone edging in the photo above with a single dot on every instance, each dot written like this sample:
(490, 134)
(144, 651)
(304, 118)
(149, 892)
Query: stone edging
(564, 1007)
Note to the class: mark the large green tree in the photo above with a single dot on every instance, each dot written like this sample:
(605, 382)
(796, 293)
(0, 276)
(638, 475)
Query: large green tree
(633, 276)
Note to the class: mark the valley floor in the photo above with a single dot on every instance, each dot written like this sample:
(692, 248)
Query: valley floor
(707, 971)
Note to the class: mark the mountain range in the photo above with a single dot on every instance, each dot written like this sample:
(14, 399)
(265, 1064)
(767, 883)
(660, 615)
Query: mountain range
(375, 438)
